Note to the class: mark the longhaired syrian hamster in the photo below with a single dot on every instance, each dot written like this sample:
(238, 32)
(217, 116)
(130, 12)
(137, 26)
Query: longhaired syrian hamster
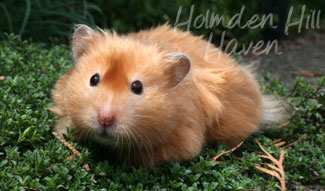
(157, 95)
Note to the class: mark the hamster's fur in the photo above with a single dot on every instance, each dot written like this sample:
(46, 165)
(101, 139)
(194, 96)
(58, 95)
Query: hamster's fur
(190, 97)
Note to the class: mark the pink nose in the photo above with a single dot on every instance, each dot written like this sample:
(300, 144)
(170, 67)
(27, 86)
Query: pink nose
(106, 117)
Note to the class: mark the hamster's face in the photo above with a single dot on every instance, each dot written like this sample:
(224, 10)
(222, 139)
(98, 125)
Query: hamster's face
(121, 91)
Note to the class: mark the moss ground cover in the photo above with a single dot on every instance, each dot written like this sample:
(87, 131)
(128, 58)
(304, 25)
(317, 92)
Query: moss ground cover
(32, 158)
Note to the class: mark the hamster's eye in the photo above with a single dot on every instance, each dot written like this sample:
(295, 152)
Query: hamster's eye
(94, 80)
(136, 87)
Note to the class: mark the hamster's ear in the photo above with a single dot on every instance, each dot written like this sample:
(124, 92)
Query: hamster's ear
(82, 36)
(179, 65)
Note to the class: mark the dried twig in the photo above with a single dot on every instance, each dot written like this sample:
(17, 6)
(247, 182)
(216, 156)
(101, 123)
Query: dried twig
(277, 171)
(228, 151)
(294, 142)
(280, 144)
(61, 139)
(74, 150)
(284, 124)
(71, 157)
(274, 142)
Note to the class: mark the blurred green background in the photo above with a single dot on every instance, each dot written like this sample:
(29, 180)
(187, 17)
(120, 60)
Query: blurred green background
(46, 20)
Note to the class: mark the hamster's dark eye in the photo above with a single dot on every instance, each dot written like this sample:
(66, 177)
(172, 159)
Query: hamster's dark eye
(94, 80)
(136, 87)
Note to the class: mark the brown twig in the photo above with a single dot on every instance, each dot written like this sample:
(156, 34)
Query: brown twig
(277, 171)
(284, 124)
(61, 139)
(294, 142)
(228, 151)
(280, 144)
(75, 152)
(71, 157)
(274, 142)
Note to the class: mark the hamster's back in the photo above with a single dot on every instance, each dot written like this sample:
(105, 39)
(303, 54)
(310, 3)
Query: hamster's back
(229, 95)
(175, 40)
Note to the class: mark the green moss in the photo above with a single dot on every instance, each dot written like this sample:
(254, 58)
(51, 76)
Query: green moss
(31, 157)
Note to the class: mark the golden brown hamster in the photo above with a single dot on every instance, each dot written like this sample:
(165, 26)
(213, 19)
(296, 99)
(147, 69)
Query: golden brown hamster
(158, 95)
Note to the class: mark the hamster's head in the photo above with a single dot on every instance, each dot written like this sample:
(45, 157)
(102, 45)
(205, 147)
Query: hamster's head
(122, 91)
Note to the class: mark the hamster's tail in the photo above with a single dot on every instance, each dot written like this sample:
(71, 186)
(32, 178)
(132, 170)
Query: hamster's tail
(274, 110)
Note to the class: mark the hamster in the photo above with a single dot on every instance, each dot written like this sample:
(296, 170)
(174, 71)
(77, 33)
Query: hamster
(157, 95)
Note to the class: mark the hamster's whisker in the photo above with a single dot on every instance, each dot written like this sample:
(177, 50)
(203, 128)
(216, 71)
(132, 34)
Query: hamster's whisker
(128, 141)
(88, 133)
(147, 145)
(141, 132)
(135, 140)
(119, 145)
(145, 142)
(139, 143)
(84, 134)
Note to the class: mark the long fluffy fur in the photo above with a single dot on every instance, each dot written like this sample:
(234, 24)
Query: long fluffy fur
(274, 107)
(217, 100)
(274, 110)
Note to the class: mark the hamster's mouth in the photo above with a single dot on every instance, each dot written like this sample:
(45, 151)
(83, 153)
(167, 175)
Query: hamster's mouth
(107, 132)
(105, 138)
(104, 134)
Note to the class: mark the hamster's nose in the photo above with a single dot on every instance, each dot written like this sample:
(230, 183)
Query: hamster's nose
(106, 117)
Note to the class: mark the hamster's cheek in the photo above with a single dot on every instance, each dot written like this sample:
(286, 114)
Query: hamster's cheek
(150, 117)
(84, 117)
